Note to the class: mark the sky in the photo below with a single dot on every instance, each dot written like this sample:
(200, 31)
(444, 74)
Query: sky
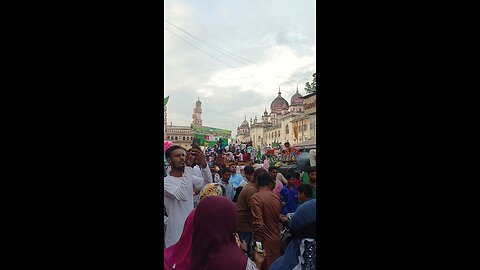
(234, 56)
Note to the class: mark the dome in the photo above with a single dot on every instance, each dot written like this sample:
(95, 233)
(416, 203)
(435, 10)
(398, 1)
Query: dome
(297, 99)
(244, 124)
(279, 103)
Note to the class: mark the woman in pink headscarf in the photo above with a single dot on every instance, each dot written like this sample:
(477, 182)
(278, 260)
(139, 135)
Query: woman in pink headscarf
(266, 164)
(177, 256)
(216, 247)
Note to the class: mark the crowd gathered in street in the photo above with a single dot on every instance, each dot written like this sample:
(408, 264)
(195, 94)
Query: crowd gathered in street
(234, 206)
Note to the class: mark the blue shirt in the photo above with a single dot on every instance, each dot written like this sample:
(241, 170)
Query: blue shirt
(236, 179)
(289, 199)
(228, 189)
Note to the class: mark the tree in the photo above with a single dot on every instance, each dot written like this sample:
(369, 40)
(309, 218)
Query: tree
(311, 87)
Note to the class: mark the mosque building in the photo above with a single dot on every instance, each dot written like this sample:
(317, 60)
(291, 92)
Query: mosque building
(183, 135)
(243, 132)
(280, 125)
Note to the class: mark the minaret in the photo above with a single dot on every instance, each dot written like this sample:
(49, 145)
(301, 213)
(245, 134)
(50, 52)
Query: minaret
(244, 129)
(265, 116)
(197, 113)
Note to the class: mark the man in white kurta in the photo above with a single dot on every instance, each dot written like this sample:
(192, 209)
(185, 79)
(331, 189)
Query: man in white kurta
(178, 191)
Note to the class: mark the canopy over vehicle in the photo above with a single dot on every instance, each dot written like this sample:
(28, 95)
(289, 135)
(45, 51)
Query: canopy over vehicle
(309, 144)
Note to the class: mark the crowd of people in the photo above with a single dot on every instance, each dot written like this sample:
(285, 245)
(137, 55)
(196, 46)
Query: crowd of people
(214, 207)
(222, 153)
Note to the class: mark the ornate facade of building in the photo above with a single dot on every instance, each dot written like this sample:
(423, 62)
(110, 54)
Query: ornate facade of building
(243, 132)
(306, 125)
(197, 113)
(182, 135)
(281, 125)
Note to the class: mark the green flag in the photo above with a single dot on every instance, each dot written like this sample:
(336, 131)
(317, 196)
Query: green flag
(165, 101)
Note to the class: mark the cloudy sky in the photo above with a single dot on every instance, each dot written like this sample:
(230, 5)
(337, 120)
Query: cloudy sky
(234, 55)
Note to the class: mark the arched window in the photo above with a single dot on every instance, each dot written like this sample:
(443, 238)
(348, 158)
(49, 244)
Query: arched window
(184, 138)
(176, 138)
(286, 129)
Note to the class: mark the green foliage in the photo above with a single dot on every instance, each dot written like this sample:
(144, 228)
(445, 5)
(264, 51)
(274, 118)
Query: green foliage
(311, 87)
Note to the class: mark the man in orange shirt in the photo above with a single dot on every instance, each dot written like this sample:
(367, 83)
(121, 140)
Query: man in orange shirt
(291, 150)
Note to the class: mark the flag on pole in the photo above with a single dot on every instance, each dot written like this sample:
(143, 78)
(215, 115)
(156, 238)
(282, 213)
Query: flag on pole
(271, 159)
(165, 101)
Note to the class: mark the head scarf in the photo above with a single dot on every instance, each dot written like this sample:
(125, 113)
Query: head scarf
(301, 252)
(278, 187)
(176, 257)
(166, 145)
(266, 164)
(178, 254)
(213, 244)
(214, 189)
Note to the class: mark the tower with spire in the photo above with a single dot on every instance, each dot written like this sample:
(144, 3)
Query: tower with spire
(279, 105)
(197, 113)
(296, 102)
(265, 116)
(243, 131)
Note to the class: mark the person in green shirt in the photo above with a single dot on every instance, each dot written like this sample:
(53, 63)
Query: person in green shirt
(304, 177)
(310, 177)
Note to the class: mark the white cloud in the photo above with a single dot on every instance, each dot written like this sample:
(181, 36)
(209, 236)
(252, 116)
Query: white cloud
(278, 69)
(204, 92)
(279, 36)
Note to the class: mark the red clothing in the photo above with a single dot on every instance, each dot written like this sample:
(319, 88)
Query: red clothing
(293, 150)
(246, 157)
(296, 182)
(179, 253)
(213, 243)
